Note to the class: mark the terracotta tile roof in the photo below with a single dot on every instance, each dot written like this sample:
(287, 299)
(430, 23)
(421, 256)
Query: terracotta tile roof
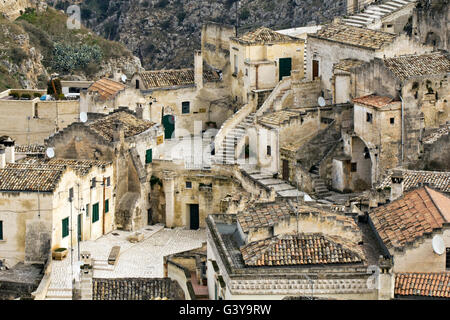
(106, 88)
(374, 101)
(435, 285)
(301, 249)
(264, 35)
(413, 179)
(404, 220)
(28, 179)
(354, 36)
(268, 214)
(81, 167)
(347, 64)
(136, 289)
(30, 149)
(173, 78)
(132, 125)
(413, 65)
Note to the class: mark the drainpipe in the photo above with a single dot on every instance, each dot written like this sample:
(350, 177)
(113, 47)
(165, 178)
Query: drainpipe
(403, 126)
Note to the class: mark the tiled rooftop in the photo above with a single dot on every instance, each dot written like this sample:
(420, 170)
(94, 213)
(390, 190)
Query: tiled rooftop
(132, 125)
(81, 167)
(301, 249)
(404, 220)
(136, 289)
(172, 78)
(106, 88)
(354, 36)
(435, 285)
(30, 149)
(347, 64)
(268, 214)
(413, 179)
(374, 101)
(28, 179)
(413, 65)
(264, 35)
(434, 136)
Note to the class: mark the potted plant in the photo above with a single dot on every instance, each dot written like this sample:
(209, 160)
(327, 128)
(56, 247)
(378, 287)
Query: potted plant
(59, 254)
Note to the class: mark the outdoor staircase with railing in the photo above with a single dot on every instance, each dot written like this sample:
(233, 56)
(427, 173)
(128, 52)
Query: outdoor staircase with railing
(375, 12)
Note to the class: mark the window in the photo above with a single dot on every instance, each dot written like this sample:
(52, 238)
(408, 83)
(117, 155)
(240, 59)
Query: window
(354, 167)
(137, 84)
(106, 205)
(235, 64)
(369, 117)
(1, 230)
(447, 255)
(246, 72)
(65, 227)
(108, 181)
(87, 210)
(149, 156)
(70, 194)
(185, 107)
(95, 216)
(269, 150)
(188, 184)
(93, 183)
(392, 120)
(36, 112)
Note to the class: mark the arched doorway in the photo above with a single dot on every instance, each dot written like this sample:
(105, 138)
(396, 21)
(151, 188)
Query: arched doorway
(360, 166)
(168, 123)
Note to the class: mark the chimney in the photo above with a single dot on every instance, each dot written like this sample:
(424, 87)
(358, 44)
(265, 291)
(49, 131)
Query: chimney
(198, 69)
(118, 134)
(2, 157)
(396, 185)
(9, 150)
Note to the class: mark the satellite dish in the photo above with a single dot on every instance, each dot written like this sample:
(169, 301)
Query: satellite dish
(321, 102)
(83, 117)
(50, 152)
(438, 245)
(123, 78)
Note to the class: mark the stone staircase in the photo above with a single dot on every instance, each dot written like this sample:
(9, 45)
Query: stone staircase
(226, 152)
(320, 188)
(102, 265)
(375, 12)
(54, 293)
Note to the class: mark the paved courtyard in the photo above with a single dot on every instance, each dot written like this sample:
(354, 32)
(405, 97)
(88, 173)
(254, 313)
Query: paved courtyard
(143, 259)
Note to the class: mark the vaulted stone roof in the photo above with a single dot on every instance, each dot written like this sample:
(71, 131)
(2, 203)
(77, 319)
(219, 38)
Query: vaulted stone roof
(414, 65)
(408, 218)
(414, 178)
(301, 249)
(106, 88)
(354, 36)
(136, 289)
(264, 35)
(436, 285)
(173, 78)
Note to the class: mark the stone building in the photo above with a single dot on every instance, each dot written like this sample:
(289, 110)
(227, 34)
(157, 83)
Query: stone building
(266, 252)
(179, 98)
(31, 121)
(337, 41)
(407, 226)
(130, 143)
(259, 59)
(106, 95)
(42, 200)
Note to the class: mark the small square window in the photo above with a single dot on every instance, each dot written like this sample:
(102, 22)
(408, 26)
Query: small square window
(188, 185)
(369, 117)
(269, 150)
(392, 120)
(185, 107)
(354, 167)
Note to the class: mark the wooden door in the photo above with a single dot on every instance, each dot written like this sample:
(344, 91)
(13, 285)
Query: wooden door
(285, 170)
(315, 69)
(285, 67)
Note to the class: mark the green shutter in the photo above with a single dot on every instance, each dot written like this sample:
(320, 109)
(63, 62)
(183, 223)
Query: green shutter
(1, 230)
(65, 227)
(106, 205)
(149, 156)
(95, 216)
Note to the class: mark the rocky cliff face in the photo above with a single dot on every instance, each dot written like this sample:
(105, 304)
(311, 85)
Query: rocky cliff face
(164, 33)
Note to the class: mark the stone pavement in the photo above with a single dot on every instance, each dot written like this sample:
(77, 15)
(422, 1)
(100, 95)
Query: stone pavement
(143, 259)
